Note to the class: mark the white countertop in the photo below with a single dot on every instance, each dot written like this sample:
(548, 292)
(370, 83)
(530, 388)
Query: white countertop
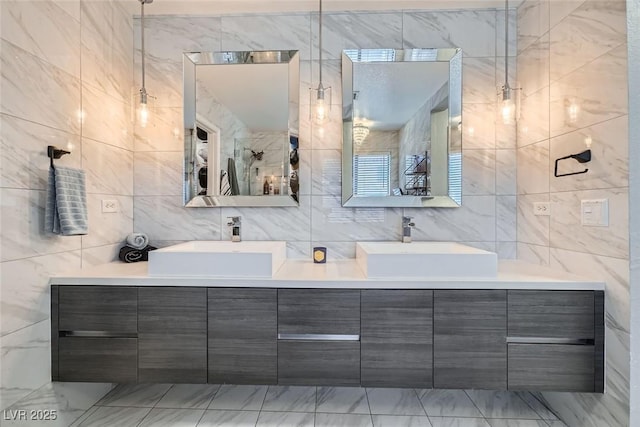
(335, 274)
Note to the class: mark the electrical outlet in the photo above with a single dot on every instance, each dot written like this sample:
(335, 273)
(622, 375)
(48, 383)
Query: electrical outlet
(542, 208)
(109, 206)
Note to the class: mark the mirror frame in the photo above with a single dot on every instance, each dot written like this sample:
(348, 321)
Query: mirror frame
(191, 60)
(451, 55)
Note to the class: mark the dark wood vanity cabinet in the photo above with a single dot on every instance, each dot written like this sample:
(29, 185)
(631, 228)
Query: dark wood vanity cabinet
(397, 338)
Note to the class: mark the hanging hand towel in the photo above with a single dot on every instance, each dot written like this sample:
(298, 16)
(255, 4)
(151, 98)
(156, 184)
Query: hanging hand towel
(225, 187)
(66, 208)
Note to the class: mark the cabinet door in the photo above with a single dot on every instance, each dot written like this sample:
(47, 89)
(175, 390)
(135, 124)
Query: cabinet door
(331, 363)
(242, 341)
(470, 330)
(172, 335)
(93, 359)
(397, 338)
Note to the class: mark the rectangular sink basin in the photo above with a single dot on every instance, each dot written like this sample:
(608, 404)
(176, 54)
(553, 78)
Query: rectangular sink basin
(424, 259)
(218, 259)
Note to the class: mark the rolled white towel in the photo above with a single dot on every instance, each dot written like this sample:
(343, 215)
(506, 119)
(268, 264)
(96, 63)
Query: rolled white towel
(137, 240)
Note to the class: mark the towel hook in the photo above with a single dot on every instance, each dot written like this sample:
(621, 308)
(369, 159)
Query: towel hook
(55, 153)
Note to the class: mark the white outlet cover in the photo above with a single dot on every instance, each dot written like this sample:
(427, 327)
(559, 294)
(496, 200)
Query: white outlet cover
(109, 206)
(542, 208)
(595, 212)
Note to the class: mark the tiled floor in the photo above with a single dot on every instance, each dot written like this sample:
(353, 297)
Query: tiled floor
(243, 406)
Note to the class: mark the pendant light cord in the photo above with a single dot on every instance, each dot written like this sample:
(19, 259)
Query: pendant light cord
(506, 44)
(142, 42)
(320, 35)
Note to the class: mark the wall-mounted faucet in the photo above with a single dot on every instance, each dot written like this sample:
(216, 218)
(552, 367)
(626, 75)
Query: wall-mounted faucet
(234, 223)
(407, 224)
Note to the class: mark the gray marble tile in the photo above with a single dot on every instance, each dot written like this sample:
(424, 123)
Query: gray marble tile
(533, 253)
(560, 9)
(596, 102)
(100, 255)
(175, 222)
(331, 77)
(532, 229)
(188, 396)
(326, 172)
(400, 421)
(478, 126)
(268, 32)
(516, 423)
(298, 250)
(84, 416)
(533, 22)
(394, 401)
(172, 418)
(71, 7)
(506, 213)
(106, 119)
(108, 228)
(533, 66)
(609, 165)
(568, 233)
(141, 395)
(158, 173)
(288, 419)
(24, 300)
(506, 134)
(109, 169)
(239, 397)
(343, 420)
(110, 416)
(23, 227)
(45, 86)
(472, 30)
(163, 82)
(556, 423)
(22, 164)
(533, 168)
(290, 399)
(507, 250)
(533, 125)
(354, 30)
(342, 400)
(592, 29)
(544, 412)
(448, 403)
(513, 32)
(229, 419)
(479, 172)
(588, 410)
(54, 39)
(501, 404)
(458, 422)
(506, 172)
(164, 131)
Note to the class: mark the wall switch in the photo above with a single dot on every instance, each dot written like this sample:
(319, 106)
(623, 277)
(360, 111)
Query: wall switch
(542, 208)
(109, 206)
(595, 213)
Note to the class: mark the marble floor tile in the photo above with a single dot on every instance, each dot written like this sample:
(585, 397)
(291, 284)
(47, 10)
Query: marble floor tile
(458, 422)
(140, 395)
(188, 396)
(556, 423)
(229, 419)
(343, 400)
(288, 419)
(544, 412)
(394, 401)
(447, 403)
(501, 404)
(239, 397)
(111, 416)
(172, 418)
(290, 399)
(400, 421)
(516, 423)
(343, 420)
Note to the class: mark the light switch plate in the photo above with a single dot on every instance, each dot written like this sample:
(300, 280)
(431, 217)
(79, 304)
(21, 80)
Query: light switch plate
(542, 208)
(595, 212)
(109, 206)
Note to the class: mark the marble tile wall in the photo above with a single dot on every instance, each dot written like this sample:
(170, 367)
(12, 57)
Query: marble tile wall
(487, 218)
(575, 52)
(66, 80)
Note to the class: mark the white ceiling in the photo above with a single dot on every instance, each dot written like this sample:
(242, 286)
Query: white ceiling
(391, 93)
(258, 95)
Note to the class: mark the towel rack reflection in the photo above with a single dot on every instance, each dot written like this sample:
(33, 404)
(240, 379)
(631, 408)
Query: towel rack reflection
(55, 153)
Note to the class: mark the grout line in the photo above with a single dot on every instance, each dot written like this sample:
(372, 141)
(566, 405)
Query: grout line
(366, 394)
(474, 404)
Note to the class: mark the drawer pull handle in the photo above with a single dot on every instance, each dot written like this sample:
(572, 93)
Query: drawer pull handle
(98, 334)
(548, 340)
(318, 337)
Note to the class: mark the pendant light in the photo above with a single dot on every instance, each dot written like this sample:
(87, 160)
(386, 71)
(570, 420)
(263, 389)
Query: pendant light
(360, 133)
(508, 96)
(321, 96)
(143, 101)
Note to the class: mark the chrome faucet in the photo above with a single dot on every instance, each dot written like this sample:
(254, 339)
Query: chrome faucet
(234, 223)
(407, 224)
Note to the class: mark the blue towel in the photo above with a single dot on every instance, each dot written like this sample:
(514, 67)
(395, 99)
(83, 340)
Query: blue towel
(66, 209)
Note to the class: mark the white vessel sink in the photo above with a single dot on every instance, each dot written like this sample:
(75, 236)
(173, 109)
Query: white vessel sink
(424, 259)
(218, 259)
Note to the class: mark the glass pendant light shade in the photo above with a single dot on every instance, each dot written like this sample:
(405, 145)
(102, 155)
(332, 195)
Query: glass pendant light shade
(320, 101)
(360, 133)
(508, 105)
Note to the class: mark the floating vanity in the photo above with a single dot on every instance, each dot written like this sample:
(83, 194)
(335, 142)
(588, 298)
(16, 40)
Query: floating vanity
(524, 328)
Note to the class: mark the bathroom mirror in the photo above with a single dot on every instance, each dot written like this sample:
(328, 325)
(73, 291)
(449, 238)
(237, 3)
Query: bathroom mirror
(402, 118)
(241, 128)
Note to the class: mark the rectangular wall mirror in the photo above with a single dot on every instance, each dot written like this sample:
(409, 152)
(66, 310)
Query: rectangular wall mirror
(241, 128)
(402, 119)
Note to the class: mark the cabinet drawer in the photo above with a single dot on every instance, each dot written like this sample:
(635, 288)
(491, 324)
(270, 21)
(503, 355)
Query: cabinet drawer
(551, 367)
(551, 314)
(98, 308)
(319, 363)
(319, 311)
(108, 360)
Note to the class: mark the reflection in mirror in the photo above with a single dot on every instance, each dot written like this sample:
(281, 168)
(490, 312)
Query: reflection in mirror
(402, 117)
(241, 128)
